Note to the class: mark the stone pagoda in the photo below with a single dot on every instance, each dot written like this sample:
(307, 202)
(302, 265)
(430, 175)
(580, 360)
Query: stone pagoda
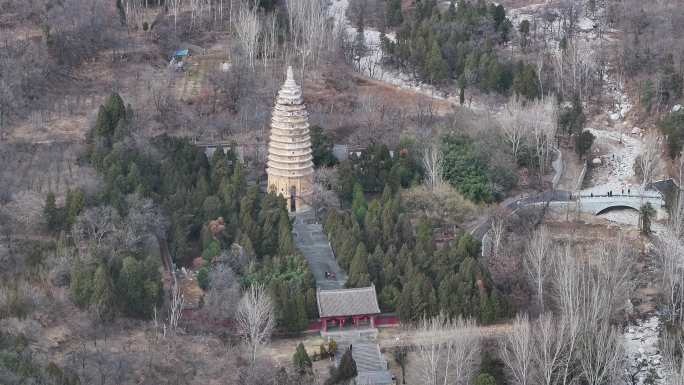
(290, 166)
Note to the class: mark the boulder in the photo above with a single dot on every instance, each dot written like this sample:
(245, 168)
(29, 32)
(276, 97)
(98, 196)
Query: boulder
(596, 161)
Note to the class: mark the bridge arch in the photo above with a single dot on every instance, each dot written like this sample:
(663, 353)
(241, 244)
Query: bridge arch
(616, 207)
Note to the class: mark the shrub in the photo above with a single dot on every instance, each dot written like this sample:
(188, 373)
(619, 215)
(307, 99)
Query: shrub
(203, 278)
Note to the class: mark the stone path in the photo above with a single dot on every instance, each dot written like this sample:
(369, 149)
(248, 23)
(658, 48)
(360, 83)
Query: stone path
(313, 243)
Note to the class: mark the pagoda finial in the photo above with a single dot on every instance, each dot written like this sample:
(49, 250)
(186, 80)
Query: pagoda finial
(290, 74)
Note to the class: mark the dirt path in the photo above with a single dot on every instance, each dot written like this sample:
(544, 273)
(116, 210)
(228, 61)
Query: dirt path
(573, 169)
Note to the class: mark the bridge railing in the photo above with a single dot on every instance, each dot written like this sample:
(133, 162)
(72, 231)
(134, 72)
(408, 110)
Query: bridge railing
(654, 196)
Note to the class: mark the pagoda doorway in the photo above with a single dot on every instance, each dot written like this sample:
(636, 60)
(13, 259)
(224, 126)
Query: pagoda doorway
(293, 199)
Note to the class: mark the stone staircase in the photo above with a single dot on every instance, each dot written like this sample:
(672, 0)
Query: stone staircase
(366, 354)
(371, 364)
(313, 243)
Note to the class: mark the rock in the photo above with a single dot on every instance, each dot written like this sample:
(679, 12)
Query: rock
(596, 161)
(676, 107)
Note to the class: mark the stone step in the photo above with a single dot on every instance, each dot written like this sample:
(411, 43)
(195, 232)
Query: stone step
(366, 355)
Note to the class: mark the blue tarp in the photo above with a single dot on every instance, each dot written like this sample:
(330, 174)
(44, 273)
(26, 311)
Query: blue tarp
(182, 53)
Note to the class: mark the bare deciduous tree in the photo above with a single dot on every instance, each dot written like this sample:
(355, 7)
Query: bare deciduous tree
(247, 30)
(433, 161)
(517, 351)
(614, 263)
(255, 319)
(175, 307)
(497, 231)
(543, 115)
(602, 352)
(96, 224)
(224, 292)
(514, 125)
(537, 261)
(670, 251)
(567, 294)
(673, 345)
(649, 158)
(550, 339)
(448, 351)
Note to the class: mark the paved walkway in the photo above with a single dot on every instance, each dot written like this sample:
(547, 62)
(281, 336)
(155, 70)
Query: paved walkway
(313, 243)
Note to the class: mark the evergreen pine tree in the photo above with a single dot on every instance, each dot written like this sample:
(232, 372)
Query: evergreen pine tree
(393, 13)
(461, 89)
(389, 298)
(51, 213)
(131, 285)
(359, 205)
(499, 15)
(81, 286)
(375, 271)
(301, 359)
(116, 109)
(346, 185)
(405, 307)
(372, 225)
(487, 310)
(358, 270)
(437, 67)
(102, 298)
(285, 242)
(300, 309)
(347, 369)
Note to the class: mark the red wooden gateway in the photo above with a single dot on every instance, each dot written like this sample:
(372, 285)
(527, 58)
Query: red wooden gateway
(337, 307)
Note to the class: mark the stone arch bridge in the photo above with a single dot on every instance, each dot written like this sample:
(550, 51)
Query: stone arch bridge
(598, 204)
